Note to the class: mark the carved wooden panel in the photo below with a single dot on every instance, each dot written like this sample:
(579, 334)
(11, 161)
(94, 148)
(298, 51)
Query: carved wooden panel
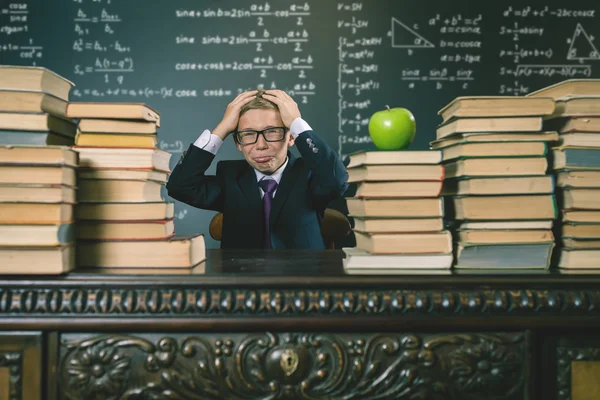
(585, 380)
(294, 366)
(168, 302)
(21, 362)
(10, 363)
(566, 357)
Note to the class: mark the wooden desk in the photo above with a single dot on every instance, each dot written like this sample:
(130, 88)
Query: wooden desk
(285, 324)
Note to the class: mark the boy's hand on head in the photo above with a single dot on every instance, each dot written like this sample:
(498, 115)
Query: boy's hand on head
(288, 109)
(232, 114)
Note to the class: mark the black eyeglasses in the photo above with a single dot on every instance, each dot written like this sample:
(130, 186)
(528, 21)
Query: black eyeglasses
(250, 136)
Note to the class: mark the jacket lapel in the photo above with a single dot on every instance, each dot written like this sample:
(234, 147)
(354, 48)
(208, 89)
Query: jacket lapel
(288, 179)
(249, 187)
(249, 233)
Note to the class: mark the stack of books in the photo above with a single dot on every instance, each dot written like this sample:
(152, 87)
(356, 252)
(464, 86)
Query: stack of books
(37, 172)
(499, 195)
(576, 163)
(33, 104)
(122, 219)
(398, 213)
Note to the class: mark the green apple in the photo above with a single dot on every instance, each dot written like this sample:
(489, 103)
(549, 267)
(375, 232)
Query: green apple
(392, 128)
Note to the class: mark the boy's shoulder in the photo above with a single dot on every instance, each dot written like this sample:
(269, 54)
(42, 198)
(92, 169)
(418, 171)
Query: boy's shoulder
(232, 166)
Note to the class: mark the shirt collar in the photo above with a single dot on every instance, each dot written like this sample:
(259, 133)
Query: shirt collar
(275, 175)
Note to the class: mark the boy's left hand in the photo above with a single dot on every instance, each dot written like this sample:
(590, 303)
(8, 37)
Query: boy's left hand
(288, 109)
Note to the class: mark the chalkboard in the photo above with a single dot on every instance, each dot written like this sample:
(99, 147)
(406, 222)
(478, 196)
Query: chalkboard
(340, 60)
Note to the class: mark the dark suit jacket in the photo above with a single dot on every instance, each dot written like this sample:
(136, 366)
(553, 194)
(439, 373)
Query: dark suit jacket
(307, 185)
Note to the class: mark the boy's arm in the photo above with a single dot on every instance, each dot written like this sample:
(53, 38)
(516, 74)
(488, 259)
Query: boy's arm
(328, 175)
(188, 182)
(329, 178)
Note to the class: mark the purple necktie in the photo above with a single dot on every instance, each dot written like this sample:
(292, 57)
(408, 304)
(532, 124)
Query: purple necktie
(268, 186)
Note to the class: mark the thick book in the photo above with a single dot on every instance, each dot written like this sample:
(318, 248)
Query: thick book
(34, 193)
(576, 158)
(125, 230)
(101, 157)
(39, 175)
(577, 106)
(580, 199)
(136, 272)
(394, 157)
(175, 252)
(489, 208)
(35, 213)
(397, 225)
(398, 189)
(580, 139)
(37, 122)
(579, 259)
(500, 149)
(577, 243)
(478, 137)
(398, 271)
(37, 79)
(505, 225)
(118, 191)
(125, 211)
(123, 174)
(37, 235)
(514, 166)
(372, 173)
(360, 259)
(405, 243)
(38, 155)
(114, 110)
(575, 124)
(569, 87)
(396, 208)
(37, 260)
(503, 236)
(581, 231)
(491, 256)
(20, 101)
(581, 216)
(116, 126)
(497, 106)
(499, 185)
(115, 140)
(492, 124)
(34, 138)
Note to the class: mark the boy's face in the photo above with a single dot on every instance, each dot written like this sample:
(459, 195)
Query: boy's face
(264, 156)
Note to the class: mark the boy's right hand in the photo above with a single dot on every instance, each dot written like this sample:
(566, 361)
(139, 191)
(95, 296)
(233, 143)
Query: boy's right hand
(232, 114)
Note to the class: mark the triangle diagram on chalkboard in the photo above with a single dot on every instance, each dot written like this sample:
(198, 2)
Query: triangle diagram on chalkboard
(403, 36)
(582, 46)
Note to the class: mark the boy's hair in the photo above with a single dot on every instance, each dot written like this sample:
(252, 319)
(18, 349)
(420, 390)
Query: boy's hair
(259, 103)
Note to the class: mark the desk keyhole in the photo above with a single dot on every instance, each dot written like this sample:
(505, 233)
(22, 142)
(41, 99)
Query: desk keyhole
(289, 361)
